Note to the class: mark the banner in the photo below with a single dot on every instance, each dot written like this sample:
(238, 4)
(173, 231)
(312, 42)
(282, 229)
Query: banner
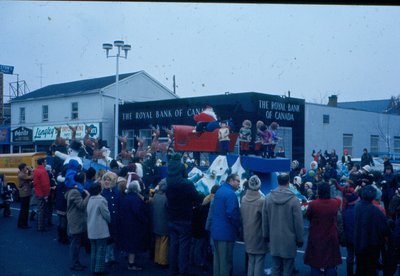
(46, 133)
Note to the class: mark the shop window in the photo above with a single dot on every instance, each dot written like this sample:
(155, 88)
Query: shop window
(22, 115)
(74, 111)
(45, 113)
(348, 143)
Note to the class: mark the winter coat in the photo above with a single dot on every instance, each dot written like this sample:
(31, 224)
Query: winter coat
(25, 184)
(159, 214)
(41, 181)
(181, 193)
(200, 213)
(394, 206)
(98, 217)
(370, 226)
(112, 197)
(282, 222)
(70, 175)
(225, 214)
(133, 224)
(76, 211)
(245, 134)
(323, 249)
(348, 216)
(251, 211)
(61, 201)
(366, 159)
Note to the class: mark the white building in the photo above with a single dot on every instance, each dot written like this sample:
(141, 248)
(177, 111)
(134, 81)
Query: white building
(78, 103)
(353, 126)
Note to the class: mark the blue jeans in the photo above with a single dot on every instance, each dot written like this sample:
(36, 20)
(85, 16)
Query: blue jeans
(180, 234)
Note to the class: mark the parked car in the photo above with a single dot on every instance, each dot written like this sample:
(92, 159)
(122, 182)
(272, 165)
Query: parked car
(378, 164)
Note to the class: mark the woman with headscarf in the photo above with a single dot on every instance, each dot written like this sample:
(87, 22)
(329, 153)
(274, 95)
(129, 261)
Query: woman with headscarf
(133, 224)
(111, 194)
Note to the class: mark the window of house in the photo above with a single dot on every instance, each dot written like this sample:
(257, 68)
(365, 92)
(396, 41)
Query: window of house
(325, 119)
(145, 134)
(22, 115)
(74, 111)
(374, 144)
(45, 113)
(348, 143)
(130, 134)
(396, 144)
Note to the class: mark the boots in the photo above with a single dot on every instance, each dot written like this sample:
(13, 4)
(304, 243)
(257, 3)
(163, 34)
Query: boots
(350, 269)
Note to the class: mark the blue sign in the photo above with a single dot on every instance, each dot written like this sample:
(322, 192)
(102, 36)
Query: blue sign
(6, 69)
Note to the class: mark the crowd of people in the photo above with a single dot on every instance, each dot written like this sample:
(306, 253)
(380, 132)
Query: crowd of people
(125, 211)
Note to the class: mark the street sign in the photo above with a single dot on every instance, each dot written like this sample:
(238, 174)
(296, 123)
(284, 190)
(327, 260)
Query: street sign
(6, 69)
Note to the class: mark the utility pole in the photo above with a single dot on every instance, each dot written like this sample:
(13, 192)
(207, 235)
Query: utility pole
(174, 85)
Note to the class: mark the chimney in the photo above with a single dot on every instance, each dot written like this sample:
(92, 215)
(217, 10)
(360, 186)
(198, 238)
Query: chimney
(332, 101)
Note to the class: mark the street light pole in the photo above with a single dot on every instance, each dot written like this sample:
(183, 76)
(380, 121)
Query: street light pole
(120, 45)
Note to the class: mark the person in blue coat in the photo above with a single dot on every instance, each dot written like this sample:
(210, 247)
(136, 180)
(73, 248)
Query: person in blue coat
(133, 224)
(225, 222)
(348, 216)
(111, 193)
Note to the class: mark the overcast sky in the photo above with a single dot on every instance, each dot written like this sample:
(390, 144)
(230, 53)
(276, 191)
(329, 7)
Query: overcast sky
(313, 51)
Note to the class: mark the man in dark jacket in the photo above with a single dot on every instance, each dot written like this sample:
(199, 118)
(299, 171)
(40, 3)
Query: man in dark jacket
(370, 231)
(181, 197)
(366, 159)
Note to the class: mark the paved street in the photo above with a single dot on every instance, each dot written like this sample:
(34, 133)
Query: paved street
(28, 252)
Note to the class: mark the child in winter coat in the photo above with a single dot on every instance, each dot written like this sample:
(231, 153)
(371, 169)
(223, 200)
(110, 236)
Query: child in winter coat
(245, 137)
(223, 138)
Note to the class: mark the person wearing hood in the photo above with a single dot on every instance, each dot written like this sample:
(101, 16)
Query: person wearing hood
(370, 232)
(111, 193)
(181, 198)
(282, 226)
(348, 225)
(251, 210)
(76, 216)
(72, 170)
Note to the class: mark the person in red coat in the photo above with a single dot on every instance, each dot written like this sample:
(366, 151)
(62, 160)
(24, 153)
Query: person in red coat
(41, 185)
(323, 250)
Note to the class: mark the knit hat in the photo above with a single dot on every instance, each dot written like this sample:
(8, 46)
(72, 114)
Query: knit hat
(309, 184)
(366, 168)
(175, 167)
(254, 183)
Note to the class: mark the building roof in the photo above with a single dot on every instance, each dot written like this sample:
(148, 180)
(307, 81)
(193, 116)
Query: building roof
(379, 106)
(72, 87)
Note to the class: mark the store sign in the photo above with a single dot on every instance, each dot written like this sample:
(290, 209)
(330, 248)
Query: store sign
(21, 135)
(4, 135)
(48, 133)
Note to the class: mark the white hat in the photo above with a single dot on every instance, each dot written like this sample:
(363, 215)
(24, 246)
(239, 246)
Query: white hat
(254, 183)
(366, 168)
(297, 180)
